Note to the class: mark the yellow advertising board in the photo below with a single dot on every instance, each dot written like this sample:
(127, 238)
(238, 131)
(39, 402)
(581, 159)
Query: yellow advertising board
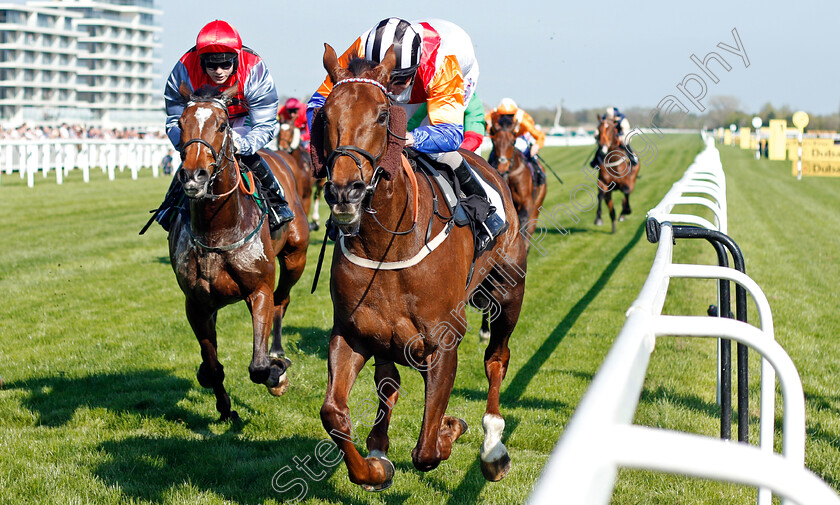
(745, 137)
(776, 142)
(820, 152)
(818, 168)
(727, 138)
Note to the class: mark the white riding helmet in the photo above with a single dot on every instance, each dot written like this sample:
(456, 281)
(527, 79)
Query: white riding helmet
(610, 113)
(507, 106)
(406, 40)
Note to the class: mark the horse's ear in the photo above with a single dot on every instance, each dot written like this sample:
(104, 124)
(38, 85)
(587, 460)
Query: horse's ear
(332, 66)
(184, 90)
(383, 70)
(228, 94)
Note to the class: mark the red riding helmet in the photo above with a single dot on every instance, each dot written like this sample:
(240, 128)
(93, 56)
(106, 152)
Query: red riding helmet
(218, 37)
(293, 104)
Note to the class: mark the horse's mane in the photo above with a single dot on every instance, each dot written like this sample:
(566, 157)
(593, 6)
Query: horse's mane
(358, 66)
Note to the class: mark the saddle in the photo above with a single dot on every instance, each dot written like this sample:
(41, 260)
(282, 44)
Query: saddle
(465, 210)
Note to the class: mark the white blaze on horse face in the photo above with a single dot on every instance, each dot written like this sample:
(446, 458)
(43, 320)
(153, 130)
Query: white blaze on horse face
(201, 115)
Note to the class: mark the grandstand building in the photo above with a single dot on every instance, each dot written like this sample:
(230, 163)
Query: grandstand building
(79, 61)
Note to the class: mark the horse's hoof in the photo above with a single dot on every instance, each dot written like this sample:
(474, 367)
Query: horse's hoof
(314, 227)
(389, 474)
(494, 471)
(483, 336)
(456, 424)
(598, 222)
(231, 416)
(281, 387)
(621, 219)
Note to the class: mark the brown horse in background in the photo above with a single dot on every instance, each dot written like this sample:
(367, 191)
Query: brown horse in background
(615, 172)
(400, 314)
(309, 188)
(510, 163)
(224, 251)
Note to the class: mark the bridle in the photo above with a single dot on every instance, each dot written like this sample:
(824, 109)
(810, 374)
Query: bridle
(357, 153)
(221, 155)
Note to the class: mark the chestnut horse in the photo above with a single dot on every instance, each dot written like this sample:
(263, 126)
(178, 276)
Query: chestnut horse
(224, 251)
(615, 172)
(303, 173)
(391, 305)
(511, 165)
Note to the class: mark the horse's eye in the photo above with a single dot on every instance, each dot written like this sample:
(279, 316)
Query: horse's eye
(383, 117)
(222, 127)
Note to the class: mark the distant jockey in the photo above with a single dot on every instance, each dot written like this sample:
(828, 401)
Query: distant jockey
(292, 112)
(530, 139)
(622, 125)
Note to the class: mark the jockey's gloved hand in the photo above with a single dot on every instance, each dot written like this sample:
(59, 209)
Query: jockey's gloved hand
(534, 150)
(409, 139)
(237, 142)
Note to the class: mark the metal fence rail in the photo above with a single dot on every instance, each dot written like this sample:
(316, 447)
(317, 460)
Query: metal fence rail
(28, 157)
(601, 436)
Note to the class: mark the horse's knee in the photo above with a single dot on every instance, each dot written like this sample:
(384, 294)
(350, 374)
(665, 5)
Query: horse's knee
(208, 376)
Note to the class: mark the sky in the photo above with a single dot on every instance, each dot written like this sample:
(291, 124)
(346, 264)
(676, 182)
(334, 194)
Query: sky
(542, 52)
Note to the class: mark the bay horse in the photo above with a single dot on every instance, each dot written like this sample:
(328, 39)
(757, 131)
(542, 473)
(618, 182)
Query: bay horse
(309, 188)
(394, 312)
(510, 163)
(224, 251)
(615, 172)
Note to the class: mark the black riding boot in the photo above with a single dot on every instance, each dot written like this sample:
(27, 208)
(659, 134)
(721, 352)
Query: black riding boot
(278, 209)
(596, 160)
(634, 159)
(493, 225)
(171, 201)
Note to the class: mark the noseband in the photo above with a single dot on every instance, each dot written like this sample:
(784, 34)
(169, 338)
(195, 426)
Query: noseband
(219, 156)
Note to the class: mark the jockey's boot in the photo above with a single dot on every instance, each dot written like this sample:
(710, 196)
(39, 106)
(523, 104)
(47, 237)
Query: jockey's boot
(277, 207)
(596, 160)
(170, 203)
(493, 225)
(634, 159)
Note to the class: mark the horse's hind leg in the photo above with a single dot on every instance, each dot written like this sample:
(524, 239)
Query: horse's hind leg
(387, 380)
(343, 366)
(290, 272)
(484, 332)
(438, 432)
(211, 373)
(495, 461)
(598, 220)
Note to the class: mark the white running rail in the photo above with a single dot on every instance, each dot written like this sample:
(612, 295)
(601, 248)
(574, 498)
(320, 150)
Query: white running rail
(601, 436)
(28, 157)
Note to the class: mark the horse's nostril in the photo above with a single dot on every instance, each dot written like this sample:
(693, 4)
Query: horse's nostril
(357, 192)
(182, 176)
(201, 175)
(330, 195)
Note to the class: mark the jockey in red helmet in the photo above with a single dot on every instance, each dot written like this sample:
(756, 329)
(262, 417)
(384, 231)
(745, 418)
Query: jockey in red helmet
(220, 59)
(294, 112)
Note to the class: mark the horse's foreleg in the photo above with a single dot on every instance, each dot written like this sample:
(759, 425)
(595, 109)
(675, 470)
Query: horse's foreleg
(291, 269)
(316, 198)
(625, 205)
(598, 221)
(387, 380)
(211, 373)
(343, 366)
(484, 332)
(261, 305)
(438, 432)
(611, 207)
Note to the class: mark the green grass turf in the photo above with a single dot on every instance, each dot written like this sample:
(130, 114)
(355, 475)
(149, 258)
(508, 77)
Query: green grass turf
(100, 402)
